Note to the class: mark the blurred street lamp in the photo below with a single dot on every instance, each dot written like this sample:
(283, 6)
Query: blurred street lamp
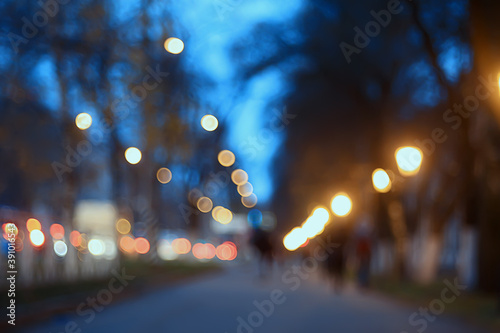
(37, 238)
(341, 204)
(133, 155)
(83, 121)
(209, 123)
(409, 160)
(381, 181)
(174, 45)
(226, 158)
(164, 175)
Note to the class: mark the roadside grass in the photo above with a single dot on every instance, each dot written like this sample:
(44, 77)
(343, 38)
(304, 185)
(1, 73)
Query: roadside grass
(475, 307)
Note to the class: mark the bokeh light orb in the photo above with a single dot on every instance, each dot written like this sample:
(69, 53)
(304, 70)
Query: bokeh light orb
(83, 121)
(141, 245)
(133, 155)
(409, 160)
(209, 123)
(165, 250)
(204, 204)
(224, 216)
(381, 181)
(75, 238)
(33, 224)
(127, 244)
(226, 158)
(254, 218)
(123, 226)
(250, 201)
(37, 238)
(164, 175)
(96, 247)
(60, 248)
(321, 214)
(294, 239)
(56, 231)
(245, 190)
(174, 45)
(181, 245)
(341, 204)
(239, 177)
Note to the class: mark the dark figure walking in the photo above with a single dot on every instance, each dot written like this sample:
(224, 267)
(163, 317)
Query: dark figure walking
(262, 242)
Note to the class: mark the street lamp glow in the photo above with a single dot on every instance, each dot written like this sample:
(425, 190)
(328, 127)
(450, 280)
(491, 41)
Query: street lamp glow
(164, 175)
(341, 204)
(209, 123)
(60, 248)
(294, 239)
(381, 181)
(37, 238)
(226, 158)
(133, 155)
(96, 247)
(204, 204)
(250, 201)
(83, 121)
(174, 45)
(239, 177)
(409, 160)
(322, 215)
(245, 190)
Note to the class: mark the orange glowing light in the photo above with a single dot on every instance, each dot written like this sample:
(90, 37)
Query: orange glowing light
(226, 251)
(33, 224)
(199, 251)
(127, 244)
(75, 238)
(141, 245)
(57, 231)
(181, 245)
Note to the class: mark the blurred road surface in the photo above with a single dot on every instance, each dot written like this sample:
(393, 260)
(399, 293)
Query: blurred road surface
(226, 302)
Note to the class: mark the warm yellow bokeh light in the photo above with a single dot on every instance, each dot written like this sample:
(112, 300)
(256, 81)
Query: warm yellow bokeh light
(245, 190)
(321, 214)
(223, 216)
(204, 204)
(174, 45)
(341, 204)
(249, 201)
(83, 121)
(294, 239)
(226, 158)
(209, 123)
(133, 155)
(164, 175)
(33, 224)
(381, 181)
(215, 211)
(123, 226)
(239, 177)
(409, 160)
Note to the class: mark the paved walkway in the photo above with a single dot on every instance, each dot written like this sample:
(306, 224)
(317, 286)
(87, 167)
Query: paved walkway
(226, 303)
